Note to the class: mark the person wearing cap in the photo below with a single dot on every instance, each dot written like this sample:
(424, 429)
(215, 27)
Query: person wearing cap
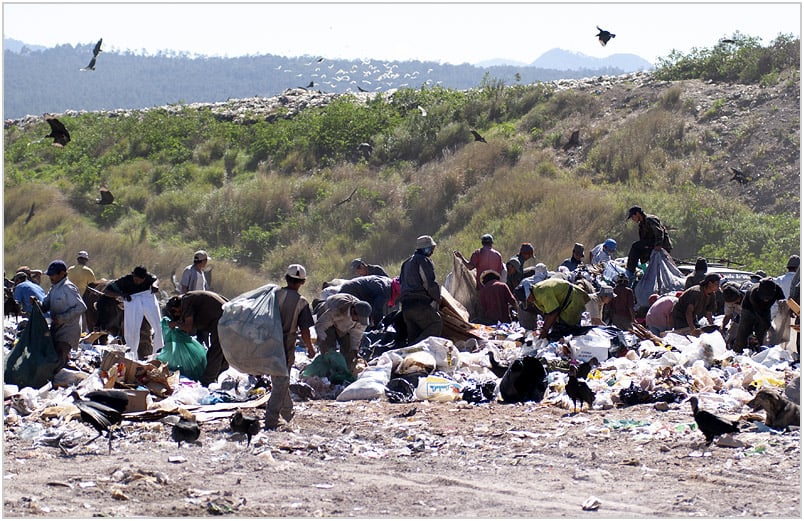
(603, 252)
(695, 303)
(138, 289)
(495, 299)
(784, 280)
(659, 317)
(297, 319)
(81, 275)
(361, 268)
(515, 267)
(374, 289)
(66, 308)
(193, 278)
(420, 293)
(652, 236)
(597, 301)
(482, 259)
(341, 324)
(755, 314)
(24, 289)
(576, 259)
(561, 305)
(200, 311)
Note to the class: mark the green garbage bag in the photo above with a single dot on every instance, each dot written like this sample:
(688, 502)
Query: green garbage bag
(182, 352)
(331, 365)
(33, 361)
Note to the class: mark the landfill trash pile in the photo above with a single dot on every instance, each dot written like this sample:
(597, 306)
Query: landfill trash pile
(443, 410)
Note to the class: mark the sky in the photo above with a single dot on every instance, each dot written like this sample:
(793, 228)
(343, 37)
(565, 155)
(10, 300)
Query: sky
(445, 32)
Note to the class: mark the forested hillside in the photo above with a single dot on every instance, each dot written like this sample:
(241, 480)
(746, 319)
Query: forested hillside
(51, 80)
(264, 182)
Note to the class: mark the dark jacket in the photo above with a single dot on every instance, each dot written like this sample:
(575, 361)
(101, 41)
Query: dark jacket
(374, 289)
(418, 281)
(653, 232)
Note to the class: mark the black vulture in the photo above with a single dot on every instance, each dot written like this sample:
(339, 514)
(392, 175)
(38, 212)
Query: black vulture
(99, 415)
(574, 140)
(106, 196)
(496, 368)
(185, 430)
(709, 424)
(57, 131)
(604, 36)
(577, 390)
(477, 136)
(248, 425)
(525, 380)
(97, 49)
(586, 367)
(361, 89)
(739, 176)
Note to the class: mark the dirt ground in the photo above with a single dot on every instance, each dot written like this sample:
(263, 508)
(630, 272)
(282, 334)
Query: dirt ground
(424, 459)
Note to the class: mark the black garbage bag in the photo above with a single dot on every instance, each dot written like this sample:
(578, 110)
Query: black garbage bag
(399, 390)
(33, 361)
(479, 392)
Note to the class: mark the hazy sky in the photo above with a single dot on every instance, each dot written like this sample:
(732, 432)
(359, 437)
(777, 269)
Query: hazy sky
(450, 32)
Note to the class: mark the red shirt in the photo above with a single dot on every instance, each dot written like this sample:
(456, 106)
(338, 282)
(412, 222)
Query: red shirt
(495, 297)
(485, 258)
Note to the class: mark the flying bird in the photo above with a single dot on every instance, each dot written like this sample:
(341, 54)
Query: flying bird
(106, 196)
(574, 140)
(248, 425)
(365, 149)
(309, 86)
(577, 390)
(97, 49)
(185, 430)
(421, 109)
(604, 36)
(728, 40)
(91, 66)
(57, 131)
(361, 89)
(709, 424)
(102, 416)
(478, 137)
(30, 214)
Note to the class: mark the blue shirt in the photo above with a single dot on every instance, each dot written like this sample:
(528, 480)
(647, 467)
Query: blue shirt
(23, 292)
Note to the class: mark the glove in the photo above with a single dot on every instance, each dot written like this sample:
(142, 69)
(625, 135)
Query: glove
(127, 297)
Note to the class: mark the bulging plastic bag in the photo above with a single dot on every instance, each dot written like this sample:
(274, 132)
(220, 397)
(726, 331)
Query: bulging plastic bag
(438, 389)
(182, 352)
(33, 360)
(330, 365)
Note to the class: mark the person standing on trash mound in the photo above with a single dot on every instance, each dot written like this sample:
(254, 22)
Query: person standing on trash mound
(560, 303)
(66, 309)
(696, 302)
(652, 236)
(342, 324)
(297, 319)
(482, 259)
(420, 293)
(200, 310)
(138, 289)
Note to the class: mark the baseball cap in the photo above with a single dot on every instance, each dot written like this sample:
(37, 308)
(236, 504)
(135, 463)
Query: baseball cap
(57, 266)
(424, 241)
(610, 244)
(793, 261)
(296, 271)
(633, 210)
(578, 248)
(363, 310)
(83, 255)
(200, 255)
(526, 247)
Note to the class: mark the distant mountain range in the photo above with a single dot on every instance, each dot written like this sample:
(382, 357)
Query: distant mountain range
(38, 79)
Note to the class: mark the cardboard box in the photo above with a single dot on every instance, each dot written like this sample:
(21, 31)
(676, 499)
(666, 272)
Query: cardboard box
(587, 346)
(137, 400)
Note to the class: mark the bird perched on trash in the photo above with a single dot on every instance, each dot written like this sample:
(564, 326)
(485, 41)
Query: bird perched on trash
(574, 140)
(604, 36)
(496, 368)
(577, 390)
(185, 430)
(709, 424)
(103, 410)
(478, 137)
(106, 196)
(244, 424)
(57, 131)
(525, 380)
